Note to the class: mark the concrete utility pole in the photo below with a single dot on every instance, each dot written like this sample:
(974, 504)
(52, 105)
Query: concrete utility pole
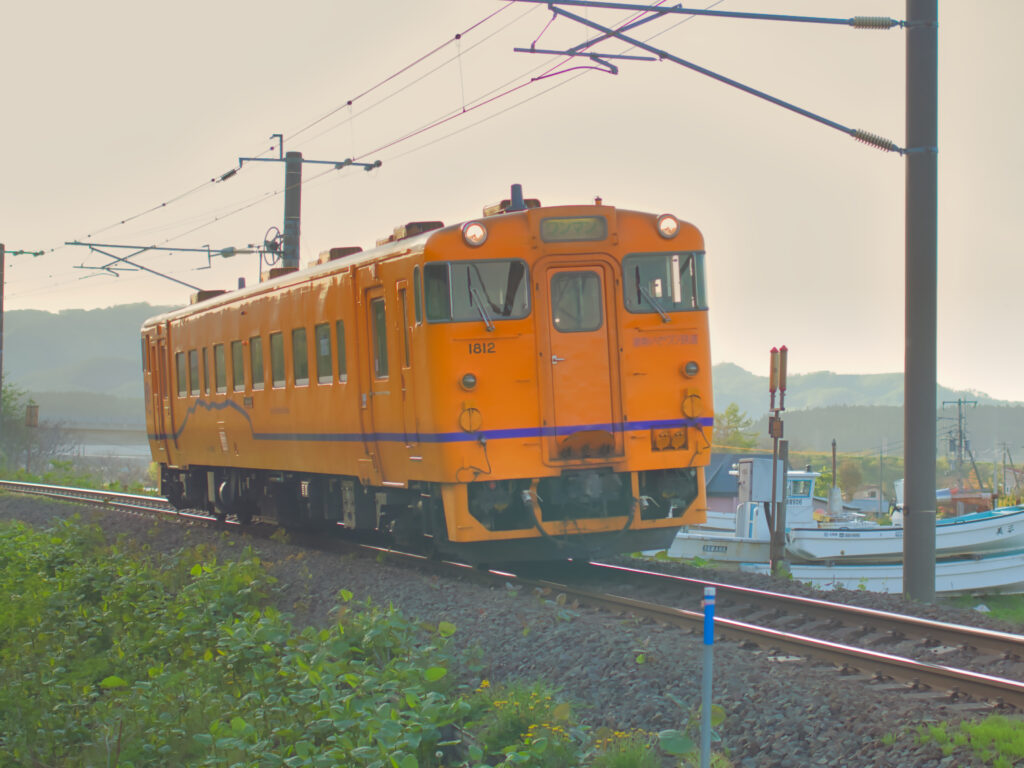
(293, 193)
(3, 258)
(921, 269)
(292, 209)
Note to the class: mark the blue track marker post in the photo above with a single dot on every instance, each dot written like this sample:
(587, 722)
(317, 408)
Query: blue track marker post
(705, 688)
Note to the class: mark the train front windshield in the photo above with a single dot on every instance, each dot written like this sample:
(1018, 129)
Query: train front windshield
(664, 282)
(496, 289)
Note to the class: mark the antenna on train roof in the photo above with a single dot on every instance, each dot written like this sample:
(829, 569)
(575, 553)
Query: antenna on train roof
(517, 202)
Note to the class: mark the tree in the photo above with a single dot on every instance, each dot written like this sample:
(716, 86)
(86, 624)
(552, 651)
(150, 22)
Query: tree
(733, 429)
(851, 477)
(31, 447)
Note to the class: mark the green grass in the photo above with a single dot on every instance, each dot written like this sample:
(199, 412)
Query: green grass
(113, 656)
(1005, 607)
(997, 740)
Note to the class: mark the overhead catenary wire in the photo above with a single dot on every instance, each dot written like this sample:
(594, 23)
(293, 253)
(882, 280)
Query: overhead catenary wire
(490, 97)
(401, 71)
(233, 171)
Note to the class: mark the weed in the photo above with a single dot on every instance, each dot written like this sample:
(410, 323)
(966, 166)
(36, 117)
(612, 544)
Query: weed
(996, 740)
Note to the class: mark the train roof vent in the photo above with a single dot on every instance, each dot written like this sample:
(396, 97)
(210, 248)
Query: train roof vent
(274, 272)
(505, 205)
(199, 296)
(338, 253)
(409, 230)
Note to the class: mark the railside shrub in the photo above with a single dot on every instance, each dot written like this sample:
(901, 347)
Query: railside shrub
(108, 660)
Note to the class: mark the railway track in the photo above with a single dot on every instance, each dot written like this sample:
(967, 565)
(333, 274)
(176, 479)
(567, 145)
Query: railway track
(949, 660)
(952, 661)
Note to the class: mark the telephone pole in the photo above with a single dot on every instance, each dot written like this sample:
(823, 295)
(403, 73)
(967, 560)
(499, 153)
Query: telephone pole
(959, 443)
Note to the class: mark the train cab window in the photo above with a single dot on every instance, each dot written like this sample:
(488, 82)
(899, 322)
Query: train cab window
(417, 290)
(497, 289)
(277, 359)
(237, 367)
(576, 300)
(220, 375)
(339, 335)
(322, 341)
(206, 372)
(664, 282)
(378, 321)
(256, 362)
(300, 356)
(182, 371)
(193, 372)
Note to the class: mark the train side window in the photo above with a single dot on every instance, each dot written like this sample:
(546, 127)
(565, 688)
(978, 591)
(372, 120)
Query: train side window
(206, 372)
(277, 359)
(378, 320)
(322, 340)
(417, 290)
(220, 374)
(193, 372)
(436, 292)
(256, 362)
(182, 371)
(145, 356)
(237, 367)
(404, 309)
(300, 356)
(339, 335)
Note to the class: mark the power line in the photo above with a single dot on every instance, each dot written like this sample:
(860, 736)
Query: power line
(488, 98)
(401, 71)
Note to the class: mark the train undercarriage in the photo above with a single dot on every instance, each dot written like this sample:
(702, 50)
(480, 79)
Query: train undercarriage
(415, 516)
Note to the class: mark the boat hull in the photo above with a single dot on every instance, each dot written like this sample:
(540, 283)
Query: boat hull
(1001, 573)
(1000, 530)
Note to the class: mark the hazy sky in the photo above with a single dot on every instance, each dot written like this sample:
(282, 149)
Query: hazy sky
(111, 108)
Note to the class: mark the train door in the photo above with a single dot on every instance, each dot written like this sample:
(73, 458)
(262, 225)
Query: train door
(161, 392)
(378, 402)
(409, 427)
(582, 407)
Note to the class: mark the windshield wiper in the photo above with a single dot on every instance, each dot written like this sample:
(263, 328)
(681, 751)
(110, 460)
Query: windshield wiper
(480, 306)
(657, 307)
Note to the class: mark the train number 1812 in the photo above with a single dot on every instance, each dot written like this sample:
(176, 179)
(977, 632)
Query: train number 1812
(481, 347)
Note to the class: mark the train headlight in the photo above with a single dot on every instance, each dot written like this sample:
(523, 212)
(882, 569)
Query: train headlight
(474, 233)
(668, 226)
(468, 381)
(691, 369)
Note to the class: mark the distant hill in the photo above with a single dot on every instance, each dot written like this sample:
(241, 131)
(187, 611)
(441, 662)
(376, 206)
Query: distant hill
(862, 412)
(80, 366)
(822, 389)
(83, 367)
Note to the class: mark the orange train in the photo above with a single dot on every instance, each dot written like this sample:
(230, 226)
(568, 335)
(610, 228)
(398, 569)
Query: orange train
(535, 383)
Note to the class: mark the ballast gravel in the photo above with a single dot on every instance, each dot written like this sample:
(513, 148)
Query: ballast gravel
(620, 672)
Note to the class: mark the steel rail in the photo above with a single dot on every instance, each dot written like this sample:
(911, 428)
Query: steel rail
(990, 641)
(87, 494)
(881, 665)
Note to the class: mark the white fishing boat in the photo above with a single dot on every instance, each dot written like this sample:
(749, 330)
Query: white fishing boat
(979, 533)
(743, 536)
(1001, 573)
